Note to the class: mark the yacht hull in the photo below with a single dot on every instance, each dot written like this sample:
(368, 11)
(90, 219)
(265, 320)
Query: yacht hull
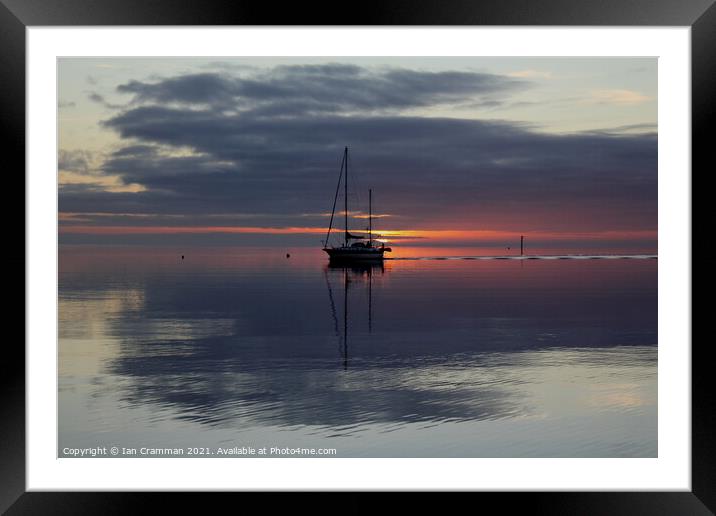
(352, 254)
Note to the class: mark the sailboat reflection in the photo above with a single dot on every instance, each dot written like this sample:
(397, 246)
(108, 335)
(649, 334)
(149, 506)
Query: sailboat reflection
(360, 272)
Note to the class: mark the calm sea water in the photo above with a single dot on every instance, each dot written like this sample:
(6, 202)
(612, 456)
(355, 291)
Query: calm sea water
(240, 349)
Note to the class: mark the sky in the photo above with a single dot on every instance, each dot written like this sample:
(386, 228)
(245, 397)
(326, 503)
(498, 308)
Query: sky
(458, 151)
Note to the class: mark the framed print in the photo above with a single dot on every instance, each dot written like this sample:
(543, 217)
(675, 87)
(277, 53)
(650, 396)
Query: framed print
(436, 249)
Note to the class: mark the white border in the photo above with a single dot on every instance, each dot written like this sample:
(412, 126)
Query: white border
(671, 471)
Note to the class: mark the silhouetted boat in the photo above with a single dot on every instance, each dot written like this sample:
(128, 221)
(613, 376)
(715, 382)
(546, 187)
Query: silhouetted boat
(355, 247)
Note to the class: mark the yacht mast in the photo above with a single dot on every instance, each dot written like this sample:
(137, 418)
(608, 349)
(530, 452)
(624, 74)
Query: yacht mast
(370, 216)
(333, 211)
(345, 185)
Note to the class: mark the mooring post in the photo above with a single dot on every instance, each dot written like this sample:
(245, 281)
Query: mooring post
(522, 245)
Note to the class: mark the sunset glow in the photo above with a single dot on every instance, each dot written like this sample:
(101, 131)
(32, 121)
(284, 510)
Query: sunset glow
(398, 235)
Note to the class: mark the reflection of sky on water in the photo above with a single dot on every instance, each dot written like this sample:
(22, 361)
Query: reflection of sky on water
(236, 343)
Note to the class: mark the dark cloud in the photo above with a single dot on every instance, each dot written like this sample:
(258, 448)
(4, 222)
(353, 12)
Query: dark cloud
(74, 161)
(134, 150)
(280, 154)
(197, 88)
(630, 128)
(99, 99)
(293, 90)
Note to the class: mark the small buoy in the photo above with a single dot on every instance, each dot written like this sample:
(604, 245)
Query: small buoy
(288, 255)
(182, 257)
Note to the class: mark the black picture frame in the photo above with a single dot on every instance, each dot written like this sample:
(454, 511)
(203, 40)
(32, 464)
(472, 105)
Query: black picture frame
(16, 15)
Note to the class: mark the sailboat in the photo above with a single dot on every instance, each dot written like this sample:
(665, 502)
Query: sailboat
(355, 247)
